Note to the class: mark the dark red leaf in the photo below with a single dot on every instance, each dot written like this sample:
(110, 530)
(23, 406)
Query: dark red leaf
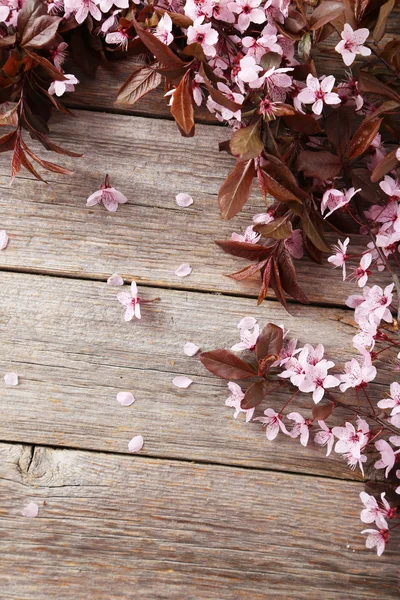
(40, 31)
(278, 229)
(289, 278)
(338, 130)
(313, 229)
(142, 81)
(269, 342)
(254, 395)
(227, 365)
(216, 94)
(182, 106)
(248, 271)
(369, 83)
(380, 26)
(161, 51)
(50, 69)
(235, 190)
(363, 138)
(303, 124)
(277, 190)
(321, 412)
(244, 249)
(387, 164)
(266, 276)
(46, 164)
(325, 13)
(277, 285)
(322, 164)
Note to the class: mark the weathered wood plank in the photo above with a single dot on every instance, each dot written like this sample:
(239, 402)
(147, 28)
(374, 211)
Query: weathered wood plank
(51, 230)
(73, 351)
(114, 524)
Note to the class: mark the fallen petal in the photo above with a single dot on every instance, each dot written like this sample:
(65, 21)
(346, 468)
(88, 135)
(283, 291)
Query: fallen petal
(136, 444)
(184, 270)
(11, 379)
(184, 200)
(3, 239)
(181, 381)
(30, 510)
(125, 398)
(115, 280)
(247, 323)
(190, 349)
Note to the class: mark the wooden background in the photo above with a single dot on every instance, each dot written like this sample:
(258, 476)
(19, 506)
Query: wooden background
(209, 509)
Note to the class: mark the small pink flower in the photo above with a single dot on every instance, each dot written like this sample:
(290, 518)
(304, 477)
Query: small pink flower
(106, 5)
(263, 218)
(110, 197)
(273, 422)
(319, 92)
(181, 381)
(362, 273)
(164, 30)
(247, 323)
(118, 38)
(136, 444)
(249, 70)
(378, 538)
(317, 380)
(394, 401)
(388, 456)
(373, 513)
(390, 186)
(357, 375)
(340, 257)
(351, 44)
(325, 437)
(59, 55)
(204, 35)
(249, 236)
(301, 427)
(81, 9)
(334, 199)
(249, 12)
(351, 440)
(131, 303)
(60, 87)
(30, 510)
(235, 399)
(248, 339)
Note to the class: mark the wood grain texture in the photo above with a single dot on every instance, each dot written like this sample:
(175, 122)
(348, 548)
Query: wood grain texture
(117, 527)
(73, 352)
(52, 231)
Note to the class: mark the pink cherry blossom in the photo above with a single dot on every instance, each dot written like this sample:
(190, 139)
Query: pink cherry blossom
(388, 456)
(361, 273)
(317, 380)
(181, 381)
(164, 29)
(351, 44)
(301, 427)
(340, 257)
(115, 280)
(60, 87)
(136, 444)
(118, 38)
(183, 200)
(235, 399)
(81, 9)
(319, 92)
(334, 199)
(351, 440)
(11, 379)
(109, 196)
(263, 218)
(247, 323)
(249, 12)
(273, 423)
(325, 437)
(30, 510)
(394, 401)
(357, 375)
(249, 70)
(59, 55)
(378, 538)
(390, 186)
(250, 236)
(373, 513)
(106, 5)
(257, 47)
(204, 35)
(131, 302)
(125, 398)
(190, 349)
(183, 270)
(248, 339)
(3, 239)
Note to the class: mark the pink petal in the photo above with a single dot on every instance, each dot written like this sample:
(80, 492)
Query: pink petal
(11, 379)
(30, 510)
(190, 349)
(184, 200)
(115, 280)
(184, 270)
(136, 444)
(3, 240)
(181, 381)
(125, 398)
(94, 198)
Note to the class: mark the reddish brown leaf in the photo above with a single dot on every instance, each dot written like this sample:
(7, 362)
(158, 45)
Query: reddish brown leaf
(54, 147)
(216, 94)
(387, 164)
(363, 138)
(39, 31)
(312, 228)
(49, 166)
(380, 27)
(322, 165)
(8, 40)
(161, 51)
(338, 130)
(235, 190)
(371, 192)
(227, 365)
(388, 106)
(177, 18)
(266, 276)
(16, 157)
(278, 229)
(47, 66)
(142, 81)
(10, 117)
(182, 105)
(303, 124)
(269, 342)
(369, 83)
(29, 167)
(246, 142)
(277, 190)
(195, 50)
(277, 285)
(325, 13)
(7, 141)
(289, 278)
(244, 249)
(254, 395)
(322, 411)
(248, 271)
